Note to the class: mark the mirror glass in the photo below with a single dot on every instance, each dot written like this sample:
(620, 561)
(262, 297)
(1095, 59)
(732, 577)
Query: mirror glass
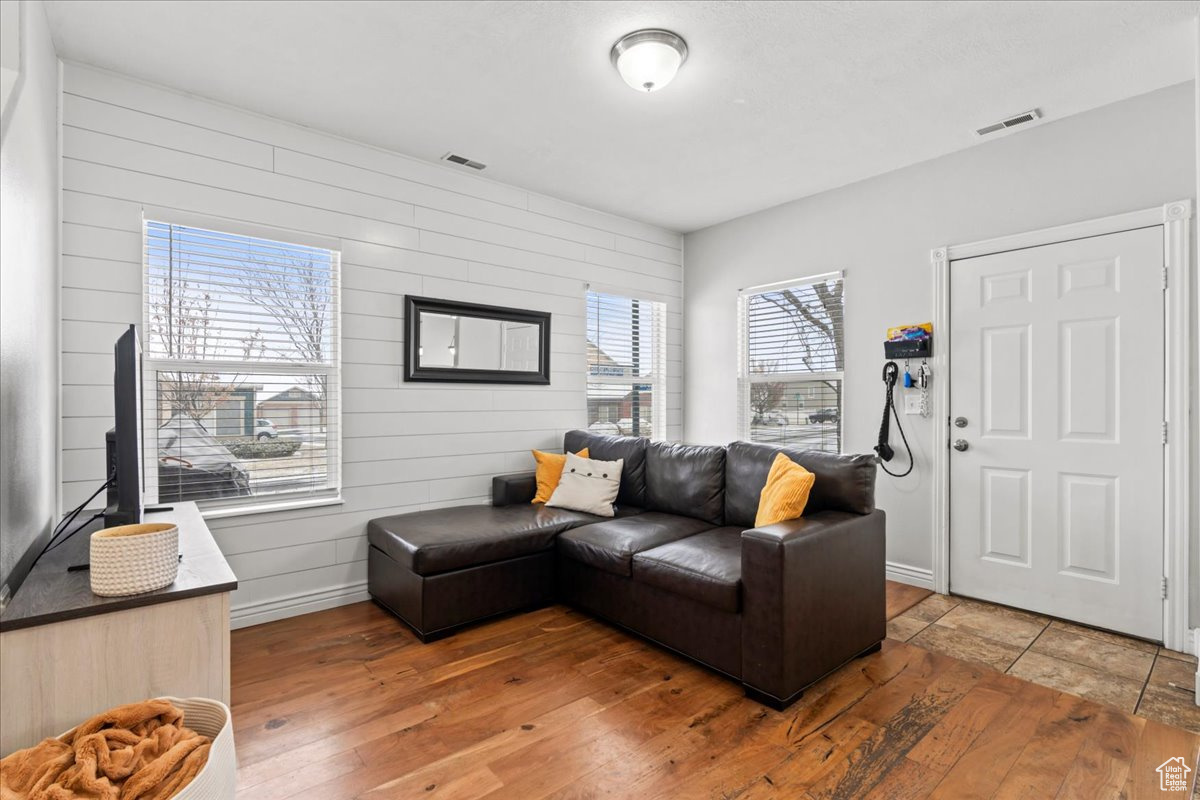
(478, 343)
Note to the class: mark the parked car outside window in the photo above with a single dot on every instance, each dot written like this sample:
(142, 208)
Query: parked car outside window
(264, 429)
(193, 465)
(823, 415)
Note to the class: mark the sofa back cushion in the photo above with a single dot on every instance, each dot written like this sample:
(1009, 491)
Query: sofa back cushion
(844, 482)
(629, 449)
(686, 479)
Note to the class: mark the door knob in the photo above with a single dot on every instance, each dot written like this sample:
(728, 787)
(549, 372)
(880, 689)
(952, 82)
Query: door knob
(960, 445)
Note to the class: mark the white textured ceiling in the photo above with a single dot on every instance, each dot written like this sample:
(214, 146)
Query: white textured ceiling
(777, 101)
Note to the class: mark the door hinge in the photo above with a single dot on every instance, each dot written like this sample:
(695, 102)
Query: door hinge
(1164, 429)
(1164, 587)
(1165, 273)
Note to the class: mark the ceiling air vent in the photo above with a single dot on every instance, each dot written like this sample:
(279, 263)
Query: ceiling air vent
(1012, 122)
(455, 158)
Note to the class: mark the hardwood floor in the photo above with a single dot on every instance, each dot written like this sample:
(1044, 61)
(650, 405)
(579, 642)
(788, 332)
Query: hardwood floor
(901, 597)
(347, 703)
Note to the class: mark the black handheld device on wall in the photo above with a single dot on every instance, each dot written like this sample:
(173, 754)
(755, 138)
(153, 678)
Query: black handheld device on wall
(891, 373)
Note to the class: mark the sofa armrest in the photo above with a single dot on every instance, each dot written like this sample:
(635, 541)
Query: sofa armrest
(813, 598)
(510, 490)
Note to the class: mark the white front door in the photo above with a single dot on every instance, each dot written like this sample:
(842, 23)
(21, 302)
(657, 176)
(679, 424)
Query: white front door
(1056, 394)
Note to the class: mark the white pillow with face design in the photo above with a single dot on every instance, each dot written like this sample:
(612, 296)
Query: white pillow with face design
(588, 485)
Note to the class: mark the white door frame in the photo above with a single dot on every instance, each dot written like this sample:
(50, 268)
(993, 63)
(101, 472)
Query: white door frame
(1175, 221)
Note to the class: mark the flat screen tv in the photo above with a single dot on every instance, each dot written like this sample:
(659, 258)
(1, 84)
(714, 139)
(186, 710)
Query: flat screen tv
(124, 441)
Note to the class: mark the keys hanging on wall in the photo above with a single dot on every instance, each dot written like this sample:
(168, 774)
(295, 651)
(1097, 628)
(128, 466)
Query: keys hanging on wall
(924, 375)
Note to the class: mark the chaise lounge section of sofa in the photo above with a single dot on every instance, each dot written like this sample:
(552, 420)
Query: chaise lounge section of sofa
(681, 563)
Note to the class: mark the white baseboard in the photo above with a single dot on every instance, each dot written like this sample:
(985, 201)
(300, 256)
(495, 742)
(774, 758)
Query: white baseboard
(1194, 642)
(913, 576)
(297, 604)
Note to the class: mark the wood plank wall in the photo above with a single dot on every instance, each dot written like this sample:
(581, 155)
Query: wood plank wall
(405, 226)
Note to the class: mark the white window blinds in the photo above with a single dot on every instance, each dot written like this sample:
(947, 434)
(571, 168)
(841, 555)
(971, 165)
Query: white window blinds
(791, 363)
(241, 370)
(626, 362)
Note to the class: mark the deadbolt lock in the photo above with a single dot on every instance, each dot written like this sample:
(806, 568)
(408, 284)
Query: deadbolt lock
(960, 422)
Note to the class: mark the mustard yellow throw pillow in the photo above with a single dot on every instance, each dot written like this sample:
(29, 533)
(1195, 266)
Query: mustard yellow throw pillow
(549, 472)
(786, 492)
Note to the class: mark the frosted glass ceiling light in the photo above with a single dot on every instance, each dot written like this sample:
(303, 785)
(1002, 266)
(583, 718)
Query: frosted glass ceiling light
(649, 59)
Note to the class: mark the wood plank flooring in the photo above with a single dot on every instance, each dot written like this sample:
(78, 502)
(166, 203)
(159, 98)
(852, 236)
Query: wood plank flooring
(348, 704)
(901, 597)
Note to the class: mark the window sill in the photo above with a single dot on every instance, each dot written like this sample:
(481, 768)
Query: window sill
(221, 512)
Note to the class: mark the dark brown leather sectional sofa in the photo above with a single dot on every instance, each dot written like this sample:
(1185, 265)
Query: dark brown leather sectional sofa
(681, 563)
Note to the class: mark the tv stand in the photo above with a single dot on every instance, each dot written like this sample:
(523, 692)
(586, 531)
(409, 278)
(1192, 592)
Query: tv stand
(55, 635)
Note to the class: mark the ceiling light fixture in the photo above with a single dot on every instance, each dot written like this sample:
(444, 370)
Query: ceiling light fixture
(648, 59)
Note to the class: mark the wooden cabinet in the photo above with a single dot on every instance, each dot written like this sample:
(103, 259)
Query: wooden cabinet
(66, 654)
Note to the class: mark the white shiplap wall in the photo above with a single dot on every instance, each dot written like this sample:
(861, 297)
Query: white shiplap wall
(405, 226)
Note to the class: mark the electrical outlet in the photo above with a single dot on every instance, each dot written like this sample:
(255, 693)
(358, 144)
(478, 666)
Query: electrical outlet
(912, 403)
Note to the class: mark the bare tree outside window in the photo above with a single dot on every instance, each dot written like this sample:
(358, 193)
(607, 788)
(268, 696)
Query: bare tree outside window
(765, 397)
(793, 364)
(296, 294)
(241, 362)
(815, 312)
(180, 321)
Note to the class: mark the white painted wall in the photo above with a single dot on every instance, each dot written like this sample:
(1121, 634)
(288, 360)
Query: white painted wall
(405, 226)
(28, 285)
(1130, 155)
(1194, 511)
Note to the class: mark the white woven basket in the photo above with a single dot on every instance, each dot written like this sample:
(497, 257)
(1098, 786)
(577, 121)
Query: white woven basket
(131, 559)
(217, 779)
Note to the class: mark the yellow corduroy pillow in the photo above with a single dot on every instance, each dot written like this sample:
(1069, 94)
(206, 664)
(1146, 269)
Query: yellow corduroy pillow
(786, 492)
(549, 472)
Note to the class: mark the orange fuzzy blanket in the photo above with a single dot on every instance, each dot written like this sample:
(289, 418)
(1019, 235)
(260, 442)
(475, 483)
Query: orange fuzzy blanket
(140, 751)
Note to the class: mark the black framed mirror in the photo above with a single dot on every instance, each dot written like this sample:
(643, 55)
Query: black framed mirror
(448, 341)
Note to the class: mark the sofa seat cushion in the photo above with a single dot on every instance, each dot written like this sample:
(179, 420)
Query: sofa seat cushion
(706, 567)
(610, 545)
(444, 539)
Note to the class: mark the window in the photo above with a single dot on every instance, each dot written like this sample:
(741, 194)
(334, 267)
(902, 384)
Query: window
(791, 362)
(240, 371)
(626, 359)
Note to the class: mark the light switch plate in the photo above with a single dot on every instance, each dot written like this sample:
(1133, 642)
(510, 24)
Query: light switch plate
(912, 403)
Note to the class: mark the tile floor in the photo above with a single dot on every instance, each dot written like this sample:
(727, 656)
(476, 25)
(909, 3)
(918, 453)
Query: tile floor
(1133, 675)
